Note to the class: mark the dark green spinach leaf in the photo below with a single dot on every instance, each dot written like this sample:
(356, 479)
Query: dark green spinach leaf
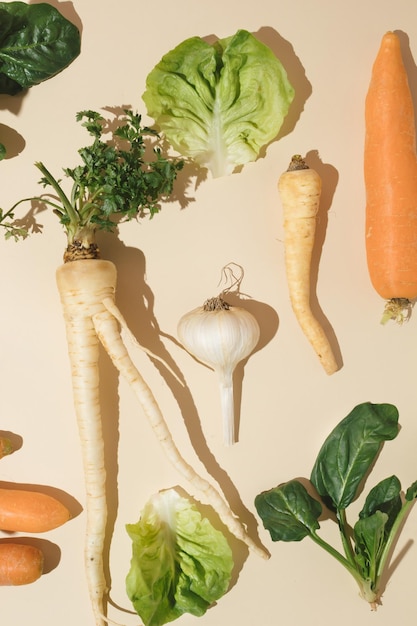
(36, 42)
(349, 451)
(288, 512)
(369, 535)
(384, 497)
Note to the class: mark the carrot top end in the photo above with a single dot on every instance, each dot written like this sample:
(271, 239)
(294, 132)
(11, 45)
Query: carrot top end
(398, 310)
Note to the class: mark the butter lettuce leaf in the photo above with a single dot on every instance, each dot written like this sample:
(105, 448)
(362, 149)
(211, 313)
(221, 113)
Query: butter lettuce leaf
(180, 562)
(220, 103)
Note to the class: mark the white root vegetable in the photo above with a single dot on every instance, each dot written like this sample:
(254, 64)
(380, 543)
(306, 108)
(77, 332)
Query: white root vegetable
(300, 189)
(87, 292)
(220, 336)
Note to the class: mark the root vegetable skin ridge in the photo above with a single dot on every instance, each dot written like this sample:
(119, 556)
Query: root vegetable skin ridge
(300, 189)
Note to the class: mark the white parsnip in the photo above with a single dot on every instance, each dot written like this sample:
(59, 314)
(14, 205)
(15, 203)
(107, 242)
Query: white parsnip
(300, 189)
(114, 182)
(82, 289)
(87, 290)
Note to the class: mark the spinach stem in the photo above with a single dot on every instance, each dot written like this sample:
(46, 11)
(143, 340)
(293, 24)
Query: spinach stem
(390, 540)
(344, 535)
(337, 555)
(364, 585)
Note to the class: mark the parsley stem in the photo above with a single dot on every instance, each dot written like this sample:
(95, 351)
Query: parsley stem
(66, 204)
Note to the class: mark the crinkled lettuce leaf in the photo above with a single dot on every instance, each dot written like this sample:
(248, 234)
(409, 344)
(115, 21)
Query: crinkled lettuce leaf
(220, 103)
(180, 562)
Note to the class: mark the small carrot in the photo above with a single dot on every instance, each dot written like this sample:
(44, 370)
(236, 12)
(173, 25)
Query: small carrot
(20, 564)
(30, 511)
(6, 447)
(300, 189)
(390, 172)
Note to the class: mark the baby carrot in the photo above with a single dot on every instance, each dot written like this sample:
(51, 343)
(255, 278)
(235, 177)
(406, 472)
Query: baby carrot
(20, 564)
(30, 511)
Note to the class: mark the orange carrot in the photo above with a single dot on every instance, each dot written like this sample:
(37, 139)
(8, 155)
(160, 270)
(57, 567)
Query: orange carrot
(20, 564)
(390, 170)
(30, 511)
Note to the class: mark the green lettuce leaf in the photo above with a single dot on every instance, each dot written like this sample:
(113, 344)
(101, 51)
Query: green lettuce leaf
(180, 563)
(219, 104)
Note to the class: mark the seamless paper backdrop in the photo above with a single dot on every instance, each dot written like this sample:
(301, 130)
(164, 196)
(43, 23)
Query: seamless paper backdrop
(170, 265)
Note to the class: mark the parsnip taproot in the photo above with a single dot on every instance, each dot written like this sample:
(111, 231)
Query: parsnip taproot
(87, 285)
(20, 564)
(390, 170)
(300, 189)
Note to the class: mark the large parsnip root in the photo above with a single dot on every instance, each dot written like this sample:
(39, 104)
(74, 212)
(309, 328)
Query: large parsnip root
(82, 287)
(300, 189)
(87, 290)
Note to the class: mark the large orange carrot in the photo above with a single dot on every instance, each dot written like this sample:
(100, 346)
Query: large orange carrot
(390, 170)
(30, 511)
(20, 564)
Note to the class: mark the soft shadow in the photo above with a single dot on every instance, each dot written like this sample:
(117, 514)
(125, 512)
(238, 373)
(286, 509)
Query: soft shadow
(409, 65)
(50, 551)
(136, 301)
(12, 141)
(284, 51)
(393, 565)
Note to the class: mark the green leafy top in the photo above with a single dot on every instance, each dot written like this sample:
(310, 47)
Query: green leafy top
(219, 104)
(290, 513)
(113, 182)
(180, 562)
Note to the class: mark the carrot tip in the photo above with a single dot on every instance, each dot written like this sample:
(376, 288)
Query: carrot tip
(397, 309)
(6, 447)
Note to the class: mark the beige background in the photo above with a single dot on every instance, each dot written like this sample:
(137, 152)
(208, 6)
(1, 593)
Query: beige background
(170, 265)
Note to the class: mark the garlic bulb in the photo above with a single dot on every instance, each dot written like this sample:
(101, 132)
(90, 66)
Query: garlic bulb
(220, 336)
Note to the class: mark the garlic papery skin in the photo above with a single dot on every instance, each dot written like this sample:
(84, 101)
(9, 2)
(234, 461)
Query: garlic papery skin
(220, 336)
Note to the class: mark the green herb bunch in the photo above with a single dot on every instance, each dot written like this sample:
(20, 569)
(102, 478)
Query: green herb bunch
(290, 513)
(114, 182)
